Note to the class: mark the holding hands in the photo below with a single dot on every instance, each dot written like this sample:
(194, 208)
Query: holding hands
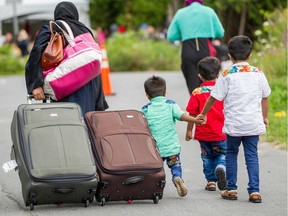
(199, 120)
(202, 118)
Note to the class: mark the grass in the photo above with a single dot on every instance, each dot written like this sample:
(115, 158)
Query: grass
(271, 56)
(277, 130)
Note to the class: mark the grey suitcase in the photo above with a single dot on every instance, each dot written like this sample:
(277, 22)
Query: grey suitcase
(53, 152)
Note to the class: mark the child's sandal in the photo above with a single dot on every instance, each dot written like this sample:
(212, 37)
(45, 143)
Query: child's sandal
(229, 194)
(255, 197)
(211, 186)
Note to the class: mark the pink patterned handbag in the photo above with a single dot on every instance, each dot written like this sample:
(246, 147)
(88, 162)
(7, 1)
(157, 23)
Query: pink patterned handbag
(81, 63)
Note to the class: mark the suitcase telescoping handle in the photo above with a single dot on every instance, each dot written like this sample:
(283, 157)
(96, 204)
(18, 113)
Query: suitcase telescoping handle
(46, 100)
(133, 180)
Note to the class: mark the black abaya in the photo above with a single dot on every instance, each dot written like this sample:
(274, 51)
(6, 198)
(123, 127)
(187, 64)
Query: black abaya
(90, 97)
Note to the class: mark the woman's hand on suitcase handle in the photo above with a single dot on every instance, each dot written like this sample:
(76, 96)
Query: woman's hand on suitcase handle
(38, 93)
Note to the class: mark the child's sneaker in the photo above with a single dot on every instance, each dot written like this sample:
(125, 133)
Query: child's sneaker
(255, 197)
(229, 194)
(181, 188)
(221, 178)
(211, 186)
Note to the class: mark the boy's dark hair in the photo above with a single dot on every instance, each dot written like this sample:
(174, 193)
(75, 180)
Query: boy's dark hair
(209, 68)
(240, 47)
(155, 86)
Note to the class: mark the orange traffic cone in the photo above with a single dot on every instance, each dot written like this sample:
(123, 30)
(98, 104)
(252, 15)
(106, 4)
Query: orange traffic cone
(106, 83)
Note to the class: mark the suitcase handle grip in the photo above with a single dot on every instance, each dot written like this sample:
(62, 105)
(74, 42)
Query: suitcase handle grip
(63, 190)
(133, 180)
(30, 97)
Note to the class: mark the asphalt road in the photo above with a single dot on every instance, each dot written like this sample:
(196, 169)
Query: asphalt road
(129, 94)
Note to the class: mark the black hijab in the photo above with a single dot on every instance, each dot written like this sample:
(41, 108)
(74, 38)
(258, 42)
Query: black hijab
(68, 12)
(65, 11)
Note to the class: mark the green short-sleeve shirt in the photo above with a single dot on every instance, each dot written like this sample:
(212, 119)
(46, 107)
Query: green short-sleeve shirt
(161, 115)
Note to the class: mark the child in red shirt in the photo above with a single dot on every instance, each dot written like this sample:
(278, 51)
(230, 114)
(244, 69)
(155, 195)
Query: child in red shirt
(210, 136)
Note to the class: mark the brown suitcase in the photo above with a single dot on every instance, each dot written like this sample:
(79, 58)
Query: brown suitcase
(127, 159)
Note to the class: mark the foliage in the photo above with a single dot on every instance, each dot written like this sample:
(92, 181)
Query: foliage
(132, 51)
(10, 65)
(129, 13)
(271, 36)
(277, 131)
(140, 11)
(231, 11)
(132, 13)
(5, 49)
(104, 13)
(270, 54)
(255, 6)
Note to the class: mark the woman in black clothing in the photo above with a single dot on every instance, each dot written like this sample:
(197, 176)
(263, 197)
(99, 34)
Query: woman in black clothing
(90, 97)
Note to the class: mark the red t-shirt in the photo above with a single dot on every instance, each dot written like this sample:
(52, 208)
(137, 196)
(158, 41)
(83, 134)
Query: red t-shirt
(212, 130)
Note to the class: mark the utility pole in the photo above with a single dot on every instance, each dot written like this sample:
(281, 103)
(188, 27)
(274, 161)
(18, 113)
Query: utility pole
(15, 18)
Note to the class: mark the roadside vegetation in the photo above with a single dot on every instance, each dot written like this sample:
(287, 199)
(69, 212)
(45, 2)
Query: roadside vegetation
(9, 61)
(135, 51)
(270, 54)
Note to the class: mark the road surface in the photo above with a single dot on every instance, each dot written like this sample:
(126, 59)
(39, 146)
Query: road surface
(129, 94)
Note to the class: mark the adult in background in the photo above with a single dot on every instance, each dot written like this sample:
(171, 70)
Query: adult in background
(90, 97)
(23, 42)
(100, 35)
(195, 25)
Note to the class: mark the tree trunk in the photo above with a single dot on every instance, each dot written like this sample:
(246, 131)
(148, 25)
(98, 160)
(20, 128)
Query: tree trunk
(172, 8)
(241, 29)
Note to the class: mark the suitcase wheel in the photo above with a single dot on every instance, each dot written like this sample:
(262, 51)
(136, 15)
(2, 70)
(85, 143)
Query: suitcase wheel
(31, 205)
(103, 200)
(156, 199)
(86, 203)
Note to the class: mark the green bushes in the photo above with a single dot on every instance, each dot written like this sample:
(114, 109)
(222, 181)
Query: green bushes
(133, 52)
(5, 49)
(271, 55)
(10, 64)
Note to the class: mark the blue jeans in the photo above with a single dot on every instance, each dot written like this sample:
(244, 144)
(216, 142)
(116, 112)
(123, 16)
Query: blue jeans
(213, 156)
(174, 163)
(250, 147)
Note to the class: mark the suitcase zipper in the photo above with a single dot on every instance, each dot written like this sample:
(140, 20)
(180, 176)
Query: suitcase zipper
(119, 172)
(44, 108)
(66, 179)
(125, 171)
(54, 179)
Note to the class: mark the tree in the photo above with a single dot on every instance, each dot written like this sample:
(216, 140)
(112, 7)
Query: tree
(129, 13)
(244, 16)
(104, 13)
(237, 16)
(143, 11)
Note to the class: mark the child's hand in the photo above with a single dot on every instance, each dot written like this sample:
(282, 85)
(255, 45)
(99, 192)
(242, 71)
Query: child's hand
(266, 122)
(201, 118)
(188, 135)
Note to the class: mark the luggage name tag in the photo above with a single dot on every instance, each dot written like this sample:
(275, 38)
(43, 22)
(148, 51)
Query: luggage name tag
(10, 165)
